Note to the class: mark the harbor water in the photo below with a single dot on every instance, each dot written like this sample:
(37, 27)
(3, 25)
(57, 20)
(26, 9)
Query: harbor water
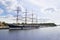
(46, 33)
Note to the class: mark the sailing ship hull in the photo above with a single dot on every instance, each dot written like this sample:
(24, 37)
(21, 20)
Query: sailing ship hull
(11, 26)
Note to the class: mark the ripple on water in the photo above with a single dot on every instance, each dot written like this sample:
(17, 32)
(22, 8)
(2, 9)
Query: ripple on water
(48, 33)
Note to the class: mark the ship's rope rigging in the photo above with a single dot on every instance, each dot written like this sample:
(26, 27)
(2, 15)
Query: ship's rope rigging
(24, 18)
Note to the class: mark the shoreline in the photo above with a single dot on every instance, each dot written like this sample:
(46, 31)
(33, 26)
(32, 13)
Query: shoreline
(4, 28)
(42, 25)
(31, 28)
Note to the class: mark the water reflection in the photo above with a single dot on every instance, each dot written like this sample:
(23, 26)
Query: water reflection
(48, 33)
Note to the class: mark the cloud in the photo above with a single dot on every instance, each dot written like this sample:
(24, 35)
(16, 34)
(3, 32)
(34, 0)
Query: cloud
(51, 10)
(7, 18)
(1, 11)
(52, 7)
(11, 4)
(14, 4)
(45, 3)
(53, 14)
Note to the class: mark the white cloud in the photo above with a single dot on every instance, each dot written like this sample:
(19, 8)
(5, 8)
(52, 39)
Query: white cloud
(12, 4)
(42, 4)
(8, 18)
(1, 11)
(46, 4)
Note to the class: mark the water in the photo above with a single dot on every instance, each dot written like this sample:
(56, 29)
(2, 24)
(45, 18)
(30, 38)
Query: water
(48, 33)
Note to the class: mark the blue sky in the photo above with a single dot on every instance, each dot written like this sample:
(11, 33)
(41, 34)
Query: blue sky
(44, 9)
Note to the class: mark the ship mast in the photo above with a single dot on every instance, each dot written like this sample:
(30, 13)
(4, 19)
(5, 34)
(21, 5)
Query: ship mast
(26, 16)
(32, 17)
(36, 19)
(17, 10)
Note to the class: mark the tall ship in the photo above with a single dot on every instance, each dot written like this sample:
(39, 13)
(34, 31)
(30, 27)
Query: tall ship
(25, 24)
